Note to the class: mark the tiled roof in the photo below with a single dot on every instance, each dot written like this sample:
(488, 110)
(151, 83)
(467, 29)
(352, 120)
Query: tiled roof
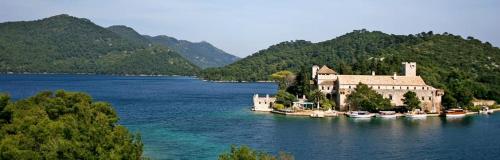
(381, 80)
(327, 83)
(326, 70)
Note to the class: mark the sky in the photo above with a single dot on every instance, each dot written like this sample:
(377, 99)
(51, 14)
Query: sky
(243, 27)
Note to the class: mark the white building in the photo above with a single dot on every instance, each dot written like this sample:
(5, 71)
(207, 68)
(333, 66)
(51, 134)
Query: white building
(393, 87)
(263, 104)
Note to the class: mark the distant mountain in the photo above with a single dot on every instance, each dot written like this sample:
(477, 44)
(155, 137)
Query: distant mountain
(129, 33)
(463, 67)
(203, 54)
(66, 44)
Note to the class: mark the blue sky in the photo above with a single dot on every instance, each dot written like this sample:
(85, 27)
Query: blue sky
(244, 27)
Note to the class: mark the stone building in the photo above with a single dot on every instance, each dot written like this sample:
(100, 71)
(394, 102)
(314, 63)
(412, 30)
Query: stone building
(263, 104)
(393, 87)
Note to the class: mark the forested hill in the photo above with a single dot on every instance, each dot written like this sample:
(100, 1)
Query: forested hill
(203, 54)
(66, 44)
(464, 66)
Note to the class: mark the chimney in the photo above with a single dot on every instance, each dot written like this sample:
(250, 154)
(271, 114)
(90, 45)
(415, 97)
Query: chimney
(394, 76)
(373, 73)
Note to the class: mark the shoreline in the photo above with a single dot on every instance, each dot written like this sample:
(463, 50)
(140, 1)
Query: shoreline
(307, 113)
(125, 75)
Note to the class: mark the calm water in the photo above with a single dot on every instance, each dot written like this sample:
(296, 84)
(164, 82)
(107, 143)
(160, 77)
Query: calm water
(185, 118)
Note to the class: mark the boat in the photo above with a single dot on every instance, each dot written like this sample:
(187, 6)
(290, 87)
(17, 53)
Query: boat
(416, 114)
(317, 114)
(485, 110)
(386, 114)
(360, 114)
(455, 112)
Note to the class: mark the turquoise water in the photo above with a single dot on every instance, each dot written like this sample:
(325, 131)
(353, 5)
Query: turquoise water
(186, 118)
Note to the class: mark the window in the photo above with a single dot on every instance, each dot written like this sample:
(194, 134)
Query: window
(349, 87)
(422, 88)
(407, 87)
(415, 88)
(427, 88)
(259, 102)
(390, 96)
(378, 87)
(393, 87)
(328, 88)
(423, 98)
(430, 98)
(322, 87)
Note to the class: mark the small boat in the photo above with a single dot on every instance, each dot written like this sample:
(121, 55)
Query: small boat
(360, 114)
(485, 110)
(317, 115)
(416, 114)
(456, 112)
(386, 114)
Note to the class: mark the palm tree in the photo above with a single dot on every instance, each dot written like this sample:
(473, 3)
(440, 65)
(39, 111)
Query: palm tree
(317, 96)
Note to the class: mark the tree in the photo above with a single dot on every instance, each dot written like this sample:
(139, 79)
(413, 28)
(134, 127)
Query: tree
(448, 101)
(301, 85)
(364, 98)
(284, 78)
(64, 125)
(285, 98)
(247, 153)
(411, 101)
(317, 96)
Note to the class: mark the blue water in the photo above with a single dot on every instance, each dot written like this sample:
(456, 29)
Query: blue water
(185, 118)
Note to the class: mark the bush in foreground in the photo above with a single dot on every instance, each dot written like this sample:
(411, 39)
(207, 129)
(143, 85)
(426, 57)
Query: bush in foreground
(246, 153)
(63, 125)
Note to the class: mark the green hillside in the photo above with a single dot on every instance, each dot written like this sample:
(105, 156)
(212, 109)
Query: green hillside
(202, 54)
(129, 34)
(463, 67)
(66, 44)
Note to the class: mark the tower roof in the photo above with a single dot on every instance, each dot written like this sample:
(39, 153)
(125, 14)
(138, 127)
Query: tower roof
(326, 70)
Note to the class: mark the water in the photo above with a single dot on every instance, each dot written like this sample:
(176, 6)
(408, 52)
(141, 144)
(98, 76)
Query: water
(185, 118)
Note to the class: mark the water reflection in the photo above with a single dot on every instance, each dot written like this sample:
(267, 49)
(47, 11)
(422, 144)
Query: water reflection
(458, 121)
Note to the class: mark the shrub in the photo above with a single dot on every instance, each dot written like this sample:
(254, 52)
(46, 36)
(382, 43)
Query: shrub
(278, 106)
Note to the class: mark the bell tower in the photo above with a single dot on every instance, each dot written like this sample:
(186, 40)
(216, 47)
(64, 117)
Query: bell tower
(409, 68)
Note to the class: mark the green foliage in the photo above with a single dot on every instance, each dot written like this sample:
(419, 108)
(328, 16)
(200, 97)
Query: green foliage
(202, 54)
(473, 108)
(284, 78)
(327, 104)
(411, 101)
(318, 97)
(364, 98)
(285, 98)
(301, 84)
(279, 106)
(361, 51)
(65, 44)
(246, 153)
(64, 125)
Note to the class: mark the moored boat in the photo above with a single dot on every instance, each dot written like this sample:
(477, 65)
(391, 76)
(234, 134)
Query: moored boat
(416, 114)
(456, 112)
(386, 114)
(317, 114)
(360, 114)
(485, 110)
